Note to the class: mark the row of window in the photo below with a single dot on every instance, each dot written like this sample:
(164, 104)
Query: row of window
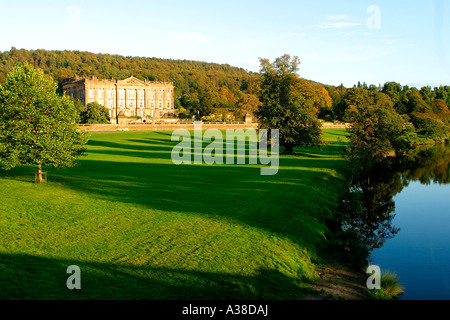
(131, 94)
(141, 113)
(131, 104)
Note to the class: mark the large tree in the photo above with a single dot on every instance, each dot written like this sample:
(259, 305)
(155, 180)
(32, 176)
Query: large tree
(37, 126)
(377, 130)
(94, 113)
(286, 106)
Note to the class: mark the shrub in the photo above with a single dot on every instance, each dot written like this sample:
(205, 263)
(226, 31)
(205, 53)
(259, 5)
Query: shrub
(391, 288)
(94, 113)
(430, 127)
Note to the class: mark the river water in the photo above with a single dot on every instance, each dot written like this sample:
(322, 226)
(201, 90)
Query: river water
(406, 222)
(420, 251)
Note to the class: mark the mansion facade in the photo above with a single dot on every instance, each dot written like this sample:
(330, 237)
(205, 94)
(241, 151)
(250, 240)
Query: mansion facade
(130, 97)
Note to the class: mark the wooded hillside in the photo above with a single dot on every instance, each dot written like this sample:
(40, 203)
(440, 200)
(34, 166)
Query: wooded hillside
(196, 83)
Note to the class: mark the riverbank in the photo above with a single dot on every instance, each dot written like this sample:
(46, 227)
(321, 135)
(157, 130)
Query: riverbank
(339, 282)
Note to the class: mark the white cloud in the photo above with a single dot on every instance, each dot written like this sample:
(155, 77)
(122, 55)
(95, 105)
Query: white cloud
(338, 25)
(249, 64)
(294, 34)
(338, 21)
(196, 37)
(337, 17)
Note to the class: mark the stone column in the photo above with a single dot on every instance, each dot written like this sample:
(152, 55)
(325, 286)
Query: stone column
(116, 96)
(136, 101)
(126, 102)
(146, 102)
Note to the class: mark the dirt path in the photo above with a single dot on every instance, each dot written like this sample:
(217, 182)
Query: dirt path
(339, 282)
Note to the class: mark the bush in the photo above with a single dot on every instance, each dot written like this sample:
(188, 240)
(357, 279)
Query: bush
(94, 113)
(430, 127)
(390, 288)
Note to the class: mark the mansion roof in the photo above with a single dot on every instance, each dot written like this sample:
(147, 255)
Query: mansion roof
(130, 81)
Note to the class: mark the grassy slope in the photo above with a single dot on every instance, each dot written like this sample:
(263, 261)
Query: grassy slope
(140, 227)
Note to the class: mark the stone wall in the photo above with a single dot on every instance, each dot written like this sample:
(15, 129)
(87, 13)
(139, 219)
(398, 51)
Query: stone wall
(335, 125)
(167, 126)
(186, 125)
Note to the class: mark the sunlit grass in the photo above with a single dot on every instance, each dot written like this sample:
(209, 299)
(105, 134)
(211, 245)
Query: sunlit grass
(141, 227)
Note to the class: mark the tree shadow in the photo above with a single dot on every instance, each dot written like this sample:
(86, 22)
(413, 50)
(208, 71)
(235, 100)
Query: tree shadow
(236, 192)
(292, 204)
(28, 277)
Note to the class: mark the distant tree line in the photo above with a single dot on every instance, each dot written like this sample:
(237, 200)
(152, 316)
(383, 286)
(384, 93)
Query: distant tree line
(392, 119)
(201, 88)
(405, 99)
(426, 108)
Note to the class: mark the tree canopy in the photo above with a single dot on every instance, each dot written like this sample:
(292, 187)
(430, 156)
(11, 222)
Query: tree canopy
(94, 113)
(200, 87)
(37, 126)
(377, 130)
(286, 105)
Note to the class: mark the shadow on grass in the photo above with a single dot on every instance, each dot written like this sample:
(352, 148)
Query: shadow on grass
(31, 277)
(293, 203)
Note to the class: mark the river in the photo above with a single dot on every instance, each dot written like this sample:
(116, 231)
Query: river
(411, 203)
(420, 251)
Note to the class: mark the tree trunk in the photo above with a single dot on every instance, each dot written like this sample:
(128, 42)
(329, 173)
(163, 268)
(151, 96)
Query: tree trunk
(288, 149)
(39, 174)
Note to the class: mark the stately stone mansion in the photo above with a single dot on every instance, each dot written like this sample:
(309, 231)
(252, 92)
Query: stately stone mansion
(130, 97)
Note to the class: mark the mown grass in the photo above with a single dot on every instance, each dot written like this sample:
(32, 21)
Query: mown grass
(140, 227)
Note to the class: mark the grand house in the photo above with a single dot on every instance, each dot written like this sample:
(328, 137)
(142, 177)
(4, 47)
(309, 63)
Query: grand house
(130, 97)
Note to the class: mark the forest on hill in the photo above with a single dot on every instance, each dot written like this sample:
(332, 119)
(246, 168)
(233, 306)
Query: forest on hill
(204, 88)
(199, 86)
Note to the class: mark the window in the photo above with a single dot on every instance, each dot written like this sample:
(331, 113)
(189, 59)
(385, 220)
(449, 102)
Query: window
(160, 105)
(141, 103)
(122, 104)
(168, 105)
(91, 93)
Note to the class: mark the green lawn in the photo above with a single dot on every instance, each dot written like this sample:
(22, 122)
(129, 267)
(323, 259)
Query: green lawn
(140, 227)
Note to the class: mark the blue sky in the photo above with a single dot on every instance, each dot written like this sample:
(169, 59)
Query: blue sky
(337, 41)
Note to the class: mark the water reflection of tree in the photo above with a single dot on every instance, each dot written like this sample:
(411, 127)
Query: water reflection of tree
(367, 207)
